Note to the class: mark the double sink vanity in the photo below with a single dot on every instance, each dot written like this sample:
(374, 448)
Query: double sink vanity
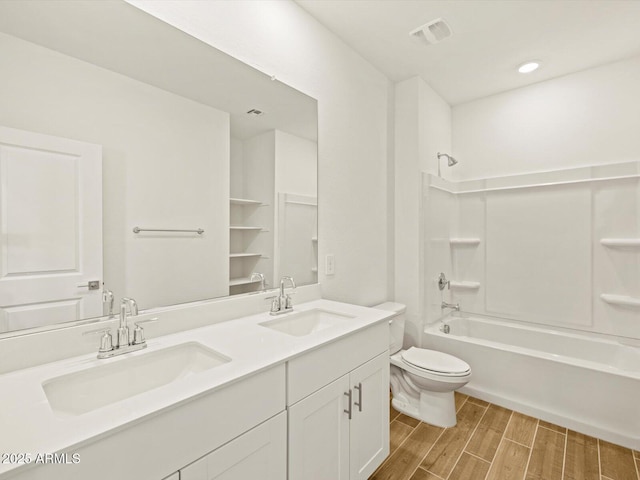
(301, 395)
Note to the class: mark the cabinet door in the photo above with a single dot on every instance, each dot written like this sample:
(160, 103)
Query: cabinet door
(319, 434)
(259, 453)
(370, 424)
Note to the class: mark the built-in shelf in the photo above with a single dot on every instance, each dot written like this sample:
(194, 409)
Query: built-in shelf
(314, 239)
(314, 269)
(244, 201)
(464, 241)
(621, 300)
(241, 228)
(621, 242)
(242, 281)
(244, 255)
(464, 285)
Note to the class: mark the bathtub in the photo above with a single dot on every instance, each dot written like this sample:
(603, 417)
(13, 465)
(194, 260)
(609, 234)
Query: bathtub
(586, 383)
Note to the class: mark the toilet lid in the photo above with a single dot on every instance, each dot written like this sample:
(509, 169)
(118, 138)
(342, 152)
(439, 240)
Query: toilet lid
(434, 361)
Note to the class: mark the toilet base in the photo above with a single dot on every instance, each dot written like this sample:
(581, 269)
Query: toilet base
(434, 408)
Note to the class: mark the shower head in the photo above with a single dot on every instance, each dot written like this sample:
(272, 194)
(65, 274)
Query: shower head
(450, 160)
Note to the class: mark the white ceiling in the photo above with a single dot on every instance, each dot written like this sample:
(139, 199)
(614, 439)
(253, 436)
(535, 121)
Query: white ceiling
(491, 38)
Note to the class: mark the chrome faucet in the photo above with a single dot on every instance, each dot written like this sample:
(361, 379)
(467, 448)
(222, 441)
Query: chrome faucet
(127, 339)
(443, 282)
(108, 298)
(260, 277)
(452, 306)
(282, 303)
(124, 342)
(123, 330)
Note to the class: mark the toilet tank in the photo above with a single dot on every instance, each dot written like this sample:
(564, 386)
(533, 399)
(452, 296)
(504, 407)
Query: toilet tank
(396, 324)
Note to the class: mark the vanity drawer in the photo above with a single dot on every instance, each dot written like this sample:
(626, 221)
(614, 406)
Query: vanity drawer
(314, 370)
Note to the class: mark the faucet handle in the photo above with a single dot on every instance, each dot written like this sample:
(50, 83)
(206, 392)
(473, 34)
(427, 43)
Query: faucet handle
(106, 341)
(138, 335)
(275, 303)
(288, 302)
(443, 282)
(138, 332)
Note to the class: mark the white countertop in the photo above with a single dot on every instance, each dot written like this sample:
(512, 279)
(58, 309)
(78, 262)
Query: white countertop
(28, 424)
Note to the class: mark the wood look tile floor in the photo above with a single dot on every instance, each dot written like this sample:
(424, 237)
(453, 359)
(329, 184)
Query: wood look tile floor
(493, 443)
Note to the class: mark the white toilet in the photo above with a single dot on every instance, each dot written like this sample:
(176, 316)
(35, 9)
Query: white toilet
(422, 381)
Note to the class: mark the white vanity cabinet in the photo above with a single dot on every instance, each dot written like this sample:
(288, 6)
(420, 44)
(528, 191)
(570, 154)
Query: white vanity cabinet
(162, 444)
(317, 411)
(259, 453)
(369, 433)
(338, 398)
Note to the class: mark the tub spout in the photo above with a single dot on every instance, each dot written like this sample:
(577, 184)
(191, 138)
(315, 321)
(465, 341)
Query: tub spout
(452, 306)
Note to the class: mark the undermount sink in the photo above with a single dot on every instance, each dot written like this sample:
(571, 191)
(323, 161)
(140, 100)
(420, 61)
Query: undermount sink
(90, 389)
(299, 324)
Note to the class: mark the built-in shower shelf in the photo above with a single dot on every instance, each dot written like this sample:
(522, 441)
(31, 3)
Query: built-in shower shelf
(464, 285)
(621, 242)
(245, 229)
(244, 201)
(244, 255)
(621, 300)
(464, 241)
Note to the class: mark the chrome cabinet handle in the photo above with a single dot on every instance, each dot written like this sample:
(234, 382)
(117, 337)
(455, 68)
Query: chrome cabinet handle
(349, 394)
(359, 402)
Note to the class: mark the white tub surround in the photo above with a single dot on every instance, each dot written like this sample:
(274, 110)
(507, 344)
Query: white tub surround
(586, 382)
(558, 248)
(188, 414)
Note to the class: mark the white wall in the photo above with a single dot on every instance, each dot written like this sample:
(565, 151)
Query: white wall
(296, 165)
(154, 143)
(586, 118)
(236, 189)
(281, 39)
(422, 128)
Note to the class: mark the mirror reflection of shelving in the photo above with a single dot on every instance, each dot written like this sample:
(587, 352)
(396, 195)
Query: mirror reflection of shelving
(251, 235)
(244, 254)
(273, 210)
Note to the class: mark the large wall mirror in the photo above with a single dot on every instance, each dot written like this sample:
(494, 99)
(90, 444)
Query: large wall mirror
(137, 160)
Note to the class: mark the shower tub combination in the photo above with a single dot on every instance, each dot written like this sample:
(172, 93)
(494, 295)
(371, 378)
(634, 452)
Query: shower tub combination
(584, 382)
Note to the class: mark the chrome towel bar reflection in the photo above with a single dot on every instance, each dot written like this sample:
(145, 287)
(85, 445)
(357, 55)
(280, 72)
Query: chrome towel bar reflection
(199, 231)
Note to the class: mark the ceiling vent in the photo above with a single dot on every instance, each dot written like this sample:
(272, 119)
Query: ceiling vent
(433, 32)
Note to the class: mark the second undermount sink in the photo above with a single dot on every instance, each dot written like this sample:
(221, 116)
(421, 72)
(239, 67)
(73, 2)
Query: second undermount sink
(90, 389)
(299, 324)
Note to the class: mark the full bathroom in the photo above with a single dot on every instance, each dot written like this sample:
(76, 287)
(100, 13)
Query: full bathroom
(319, 239)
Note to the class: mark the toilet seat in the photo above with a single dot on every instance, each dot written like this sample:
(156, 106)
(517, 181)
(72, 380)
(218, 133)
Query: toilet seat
(436, 363)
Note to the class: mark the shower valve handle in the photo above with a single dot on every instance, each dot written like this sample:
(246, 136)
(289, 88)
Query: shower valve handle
(443, 282)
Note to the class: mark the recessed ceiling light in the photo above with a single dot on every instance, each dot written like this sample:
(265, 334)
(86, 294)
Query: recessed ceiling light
(529, 67)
